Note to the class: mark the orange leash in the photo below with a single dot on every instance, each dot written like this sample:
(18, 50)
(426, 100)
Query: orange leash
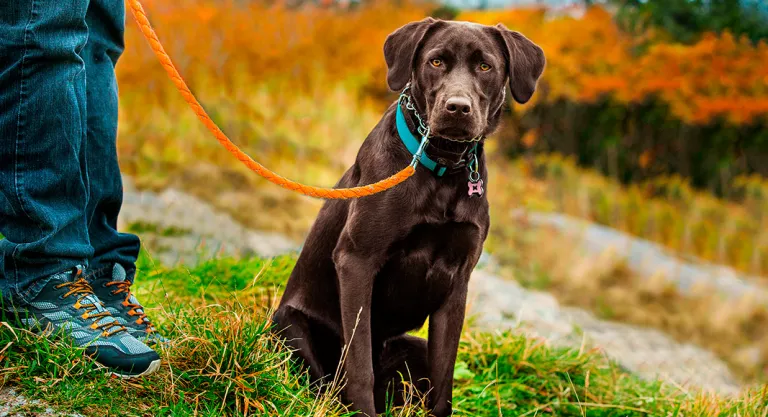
(329, 193)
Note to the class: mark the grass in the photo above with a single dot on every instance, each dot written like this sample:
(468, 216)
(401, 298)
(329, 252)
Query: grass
(224, 361)
(141, 227)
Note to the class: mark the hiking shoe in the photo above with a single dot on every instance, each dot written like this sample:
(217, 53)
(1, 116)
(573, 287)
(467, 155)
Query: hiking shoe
(67, 306)
(115, 292)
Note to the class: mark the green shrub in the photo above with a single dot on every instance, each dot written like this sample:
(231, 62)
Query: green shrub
(685, 20)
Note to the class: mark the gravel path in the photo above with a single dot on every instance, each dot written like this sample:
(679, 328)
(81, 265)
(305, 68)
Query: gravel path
(177, 227)
(181, 228)
(14, 405)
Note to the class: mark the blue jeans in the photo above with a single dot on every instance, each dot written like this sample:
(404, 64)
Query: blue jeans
(60, 184)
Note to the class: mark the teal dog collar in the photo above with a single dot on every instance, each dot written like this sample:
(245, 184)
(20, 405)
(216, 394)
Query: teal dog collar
(413, 144)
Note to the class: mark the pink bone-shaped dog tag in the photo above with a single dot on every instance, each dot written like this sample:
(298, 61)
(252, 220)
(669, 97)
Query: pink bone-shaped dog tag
(476, 188)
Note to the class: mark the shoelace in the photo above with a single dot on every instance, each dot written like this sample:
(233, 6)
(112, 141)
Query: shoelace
(135, 309)
(81, 287)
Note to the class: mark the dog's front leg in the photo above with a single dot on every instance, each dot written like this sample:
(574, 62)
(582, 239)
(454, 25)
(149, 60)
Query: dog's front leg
(359, 255)
(355, 274)
(443, 343)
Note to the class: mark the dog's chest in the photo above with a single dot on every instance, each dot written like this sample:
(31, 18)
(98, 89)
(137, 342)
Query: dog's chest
(421, 272)
(451, 204)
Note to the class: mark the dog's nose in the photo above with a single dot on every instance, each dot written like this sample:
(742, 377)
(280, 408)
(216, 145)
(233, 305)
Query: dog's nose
(459, 106)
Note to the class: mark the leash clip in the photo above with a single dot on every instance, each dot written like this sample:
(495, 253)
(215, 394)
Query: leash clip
(420, 151)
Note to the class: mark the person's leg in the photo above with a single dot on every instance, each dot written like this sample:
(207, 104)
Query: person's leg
(106, 23)
(43, 183)
(112, 267)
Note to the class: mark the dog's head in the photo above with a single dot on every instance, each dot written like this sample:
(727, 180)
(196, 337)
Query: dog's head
(458, 72)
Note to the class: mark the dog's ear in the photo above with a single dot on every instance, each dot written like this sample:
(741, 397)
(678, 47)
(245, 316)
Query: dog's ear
(525, 62)
(400, 50)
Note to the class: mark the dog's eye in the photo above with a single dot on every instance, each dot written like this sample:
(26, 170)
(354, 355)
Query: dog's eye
(484, 67)
(436, 62)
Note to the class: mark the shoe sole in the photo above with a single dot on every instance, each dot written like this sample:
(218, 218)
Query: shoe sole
(154, 366)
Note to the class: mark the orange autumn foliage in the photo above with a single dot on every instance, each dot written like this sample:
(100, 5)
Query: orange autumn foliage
(240, 44)
(237, 44)
(589, 57)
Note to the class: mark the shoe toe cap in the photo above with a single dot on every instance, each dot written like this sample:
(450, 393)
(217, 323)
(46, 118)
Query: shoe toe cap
(122, 364)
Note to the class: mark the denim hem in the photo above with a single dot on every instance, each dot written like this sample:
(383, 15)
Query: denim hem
(33, 290)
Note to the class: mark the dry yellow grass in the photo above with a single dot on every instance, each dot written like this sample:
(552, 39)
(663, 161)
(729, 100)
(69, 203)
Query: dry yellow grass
(732, 328)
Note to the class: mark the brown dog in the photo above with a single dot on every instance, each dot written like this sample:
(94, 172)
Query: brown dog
(375, 268)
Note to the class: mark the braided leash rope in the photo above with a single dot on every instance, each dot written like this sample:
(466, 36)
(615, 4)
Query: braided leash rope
(327, 193)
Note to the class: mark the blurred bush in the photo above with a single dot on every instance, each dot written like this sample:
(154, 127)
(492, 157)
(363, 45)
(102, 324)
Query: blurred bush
(695, 110)
(686, 20)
